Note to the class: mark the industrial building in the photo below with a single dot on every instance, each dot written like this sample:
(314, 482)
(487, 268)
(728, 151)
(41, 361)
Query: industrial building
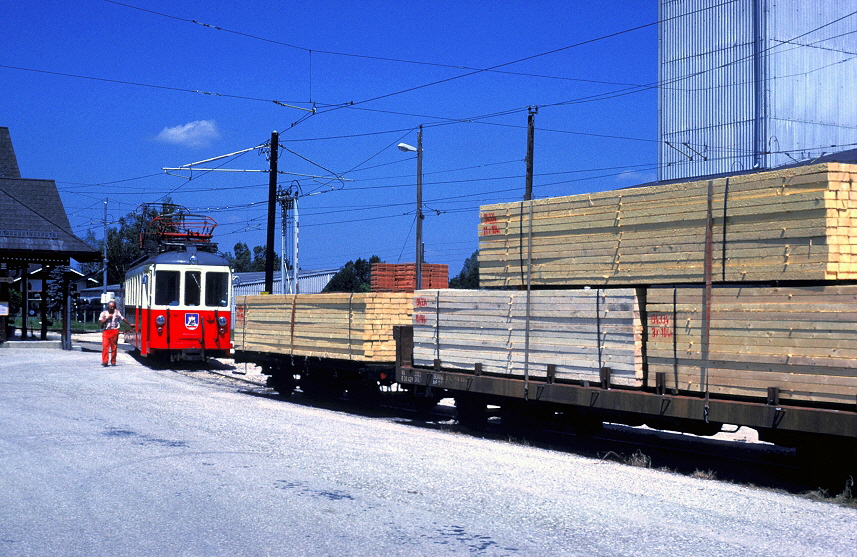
(754, 84)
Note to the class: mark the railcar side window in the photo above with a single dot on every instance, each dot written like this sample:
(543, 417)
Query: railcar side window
(192, 287)
(167, 288)
(217, 289)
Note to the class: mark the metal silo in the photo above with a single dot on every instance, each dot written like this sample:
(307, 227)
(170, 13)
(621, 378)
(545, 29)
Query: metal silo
(754, 83)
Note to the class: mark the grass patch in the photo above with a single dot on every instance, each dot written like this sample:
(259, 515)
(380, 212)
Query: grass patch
(845, 497)
(638, 459)
(704, 474)
(522, 441)
(33, 324)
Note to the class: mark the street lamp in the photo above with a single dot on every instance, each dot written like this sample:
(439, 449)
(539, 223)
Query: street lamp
(419, 259)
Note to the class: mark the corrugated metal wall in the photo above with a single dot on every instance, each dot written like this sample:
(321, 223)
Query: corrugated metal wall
(812, 99)
(253, 284)
(712, 117)
(706, 97)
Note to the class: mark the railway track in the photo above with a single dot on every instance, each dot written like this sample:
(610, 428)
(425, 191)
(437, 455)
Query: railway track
(733, 459)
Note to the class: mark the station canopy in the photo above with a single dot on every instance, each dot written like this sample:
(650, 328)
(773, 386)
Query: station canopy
(34, 227)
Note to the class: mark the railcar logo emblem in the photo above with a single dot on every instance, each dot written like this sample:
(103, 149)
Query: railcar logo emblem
(191, 321)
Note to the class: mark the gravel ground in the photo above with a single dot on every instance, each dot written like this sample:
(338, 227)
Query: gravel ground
(138, 461)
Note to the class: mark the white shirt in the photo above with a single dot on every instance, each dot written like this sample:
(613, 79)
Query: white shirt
(111, 321)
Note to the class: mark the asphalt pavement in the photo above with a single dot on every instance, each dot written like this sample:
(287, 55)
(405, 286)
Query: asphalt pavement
(133, 460)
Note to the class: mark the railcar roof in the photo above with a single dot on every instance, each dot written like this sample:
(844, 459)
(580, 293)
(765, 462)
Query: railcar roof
(203, 258)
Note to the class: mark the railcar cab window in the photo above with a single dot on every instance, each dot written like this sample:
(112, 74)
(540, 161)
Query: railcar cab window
(192, 287)
(167, 288)
(217, 289)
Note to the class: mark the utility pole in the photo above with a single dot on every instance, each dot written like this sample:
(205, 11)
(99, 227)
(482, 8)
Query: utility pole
(288, 199)
(272, 214)
(528, 196)
(296, 228)
(104, 261)
(531, 120)
(418, 282)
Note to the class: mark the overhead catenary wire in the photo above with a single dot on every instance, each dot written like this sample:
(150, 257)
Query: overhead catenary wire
(358, 169)
(764, 52)
(154, 86)
(449, 199)
(622, 170)
(791, 41)
(468, 73)
(436, 201)
(495, 69)
(477, 70)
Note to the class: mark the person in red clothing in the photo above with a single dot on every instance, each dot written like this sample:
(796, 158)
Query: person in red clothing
(110, 320)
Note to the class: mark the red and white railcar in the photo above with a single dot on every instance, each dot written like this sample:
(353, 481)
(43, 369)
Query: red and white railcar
(179, 296)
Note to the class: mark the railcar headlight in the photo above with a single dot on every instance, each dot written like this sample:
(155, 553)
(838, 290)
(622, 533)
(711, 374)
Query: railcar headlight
(160, 320)
(221, 321)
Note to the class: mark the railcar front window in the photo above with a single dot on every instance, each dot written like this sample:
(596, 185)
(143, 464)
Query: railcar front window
(217, 289)
(167, 288)
(192, 288)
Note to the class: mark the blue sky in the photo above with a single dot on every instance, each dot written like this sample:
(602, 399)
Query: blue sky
(100, 96)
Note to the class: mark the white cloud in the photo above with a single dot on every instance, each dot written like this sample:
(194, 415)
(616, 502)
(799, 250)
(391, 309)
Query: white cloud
(194, 134)
(636, 177)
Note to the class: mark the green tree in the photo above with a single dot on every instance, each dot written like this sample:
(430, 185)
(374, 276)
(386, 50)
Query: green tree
(244, 260)
(92, 266)
(56, 302)
(469, 275)
(123, 245)
(354, 276)
(15, 302)
(258, 263)
(240, 261)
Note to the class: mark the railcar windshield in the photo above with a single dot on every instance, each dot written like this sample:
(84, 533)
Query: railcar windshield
(192, 287)
(167, 288)
(217, 289)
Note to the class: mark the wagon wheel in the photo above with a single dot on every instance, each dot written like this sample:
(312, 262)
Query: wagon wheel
(282, 383)
(320, 388)
(365, 393)
(472, 411)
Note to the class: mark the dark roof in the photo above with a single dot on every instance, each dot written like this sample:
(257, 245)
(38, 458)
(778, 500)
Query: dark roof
(8, 160)
(34, 227)
(848, 156)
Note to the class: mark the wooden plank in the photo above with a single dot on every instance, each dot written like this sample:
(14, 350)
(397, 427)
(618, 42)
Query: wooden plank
(337, 325)
(779, 226)
(577, 330)
(802, 339)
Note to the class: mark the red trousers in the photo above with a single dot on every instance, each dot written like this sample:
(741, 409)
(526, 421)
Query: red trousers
(109, 345)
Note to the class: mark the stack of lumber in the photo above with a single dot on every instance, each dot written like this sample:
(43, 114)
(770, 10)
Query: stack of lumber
(790, 224)
(402, 277)
(802, 340)
(337, 325)
(579, 331)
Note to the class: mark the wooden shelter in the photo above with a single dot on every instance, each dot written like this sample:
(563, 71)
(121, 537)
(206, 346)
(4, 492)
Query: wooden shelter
(34, 230)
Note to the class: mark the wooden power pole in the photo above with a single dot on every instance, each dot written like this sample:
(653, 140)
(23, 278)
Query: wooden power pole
(272, 214)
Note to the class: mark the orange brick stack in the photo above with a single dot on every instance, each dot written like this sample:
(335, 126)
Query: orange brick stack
(401, 277)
